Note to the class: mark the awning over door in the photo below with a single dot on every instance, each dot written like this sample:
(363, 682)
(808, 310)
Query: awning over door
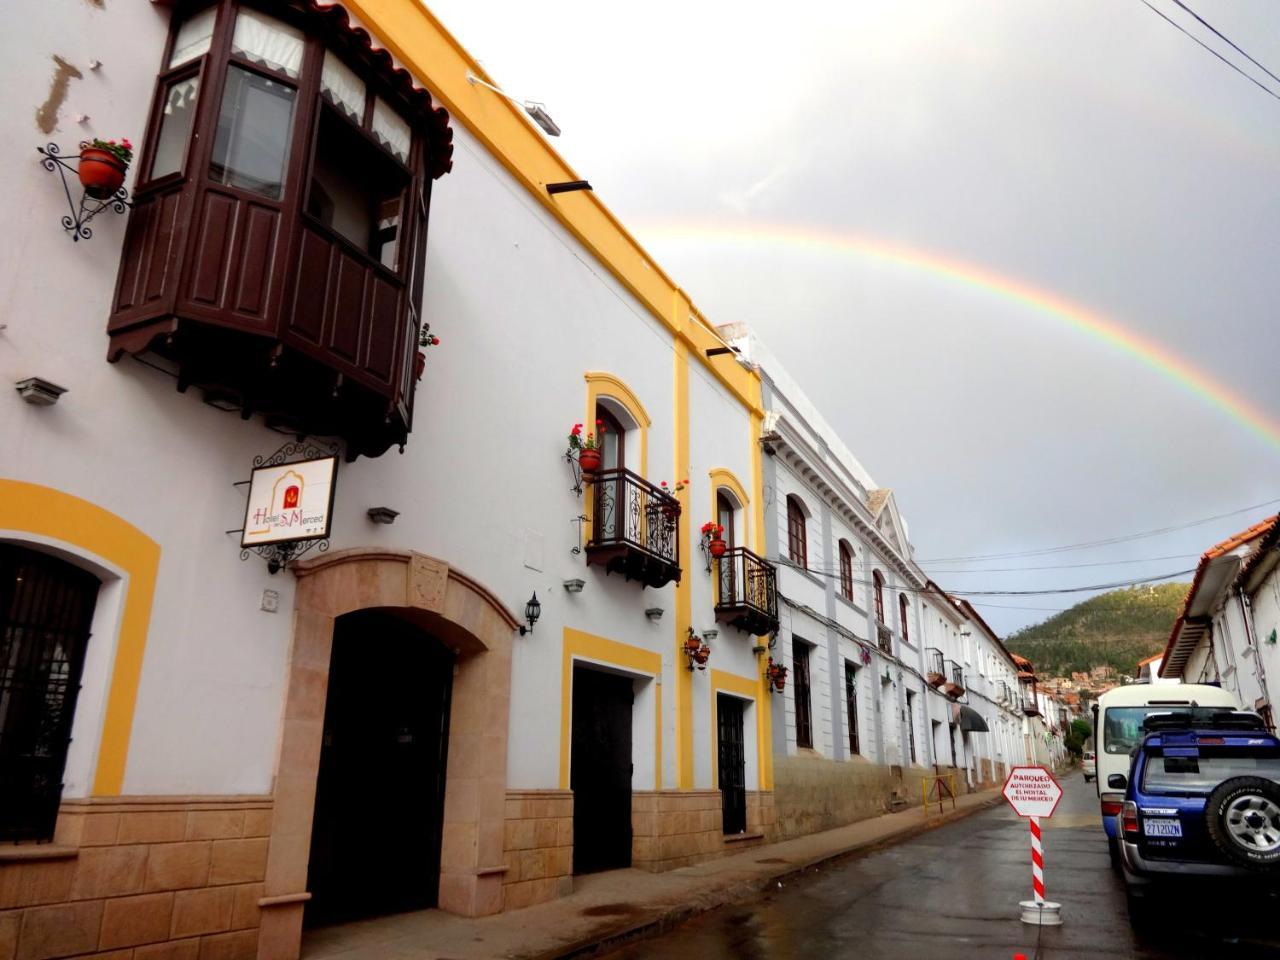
(970, 719)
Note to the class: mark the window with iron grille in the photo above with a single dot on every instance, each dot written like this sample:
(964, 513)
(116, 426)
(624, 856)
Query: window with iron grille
(851, 704)
(846, 570)
(797, 540)
(902, 617)
(878, 579)
(911, 723)
(800, 664)
(46, 606)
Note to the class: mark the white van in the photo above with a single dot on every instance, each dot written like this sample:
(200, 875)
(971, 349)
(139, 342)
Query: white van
(1117, 729)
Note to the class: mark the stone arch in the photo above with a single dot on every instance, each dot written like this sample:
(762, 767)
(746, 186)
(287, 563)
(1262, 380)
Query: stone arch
(467, 617)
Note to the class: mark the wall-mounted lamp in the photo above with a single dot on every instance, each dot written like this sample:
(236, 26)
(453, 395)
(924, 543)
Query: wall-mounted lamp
(654, 614)
(574, 586)
(709, 635)
(533, 108)
(532, 611)
(40, 392)
(382, 514)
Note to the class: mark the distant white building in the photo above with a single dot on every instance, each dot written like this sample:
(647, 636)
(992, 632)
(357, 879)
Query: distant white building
(1228, 627)
(890, 680)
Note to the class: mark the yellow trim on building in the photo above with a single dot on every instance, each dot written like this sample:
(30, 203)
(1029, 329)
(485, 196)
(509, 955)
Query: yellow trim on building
(747, 689)
(764, 712)
(60, 517)
(601, 384)
(587, 646)
(723, 478)
(419, 41)
(684, 588)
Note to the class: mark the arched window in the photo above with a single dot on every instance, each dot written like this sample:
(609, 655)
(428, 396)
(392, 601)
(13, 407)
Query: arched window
(797, 539)
(846, 570)
(902, 617)
(724, 517)
(46, 606)
(878, 579)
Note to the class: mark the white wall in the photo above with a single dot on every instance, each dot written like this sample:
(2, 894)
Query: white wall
(522, 312)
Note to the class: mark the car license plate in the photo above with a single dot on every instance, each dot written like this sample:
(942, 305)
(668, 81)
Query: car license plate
(1162, 828)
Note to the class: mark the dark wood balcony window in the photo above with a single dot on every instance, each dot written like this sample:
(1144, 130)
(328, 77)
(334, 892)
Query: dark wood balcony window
(635, 528)
(846, 570)
(797, 537)
(746, 592)
(800, 667)
(851, 704)
(274, 256)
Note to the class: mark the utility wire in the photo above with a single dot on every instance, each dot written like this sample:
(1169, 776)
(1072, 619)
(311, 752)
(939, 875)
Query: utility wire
(1072, 566)
(1107, 541)
(1227, 40)
(1255, 82)
(787, 562)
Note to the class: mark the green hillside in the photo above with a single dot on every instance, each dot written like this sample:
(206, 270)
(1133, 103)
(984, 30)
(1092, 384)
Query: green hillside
(1117, 629)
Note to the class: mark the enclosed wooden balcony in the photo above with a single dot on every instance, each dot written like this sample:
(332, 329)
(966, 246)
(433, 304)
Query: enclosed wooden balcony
(935, 671)
(746, 592)
(274, 254)
(635, 528)
(1030, 704)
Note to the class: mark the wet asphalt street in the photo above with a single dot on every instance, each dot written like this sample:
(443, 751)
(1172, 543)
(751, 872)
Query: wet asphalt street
(953, 893)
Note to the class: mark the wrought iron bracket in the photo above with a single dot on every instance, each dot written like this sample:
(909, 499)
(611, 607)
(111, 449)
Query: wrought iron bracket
(279, 555)
(706, 552)
(76, 222)
(576, 469)
(579, 520)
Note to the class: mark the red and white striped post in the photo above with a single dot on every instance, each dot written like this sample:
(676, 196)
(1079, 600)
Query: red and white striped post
(1034, 795)
(1037, 861)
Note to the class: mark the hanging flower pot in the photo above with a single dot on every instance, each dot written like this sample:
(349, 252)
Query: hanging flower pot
(102, 167)
(693, 643)
(718, 548)
(589, 460)
(704, 652)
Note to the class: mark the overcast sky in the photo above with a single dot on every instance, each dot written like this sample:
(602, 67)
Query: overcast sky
(1085, 149)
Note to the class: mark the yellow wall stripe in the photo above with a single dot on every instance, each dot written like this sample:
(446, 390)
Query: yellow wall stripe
(414, 35)
(684, 589)
(764, 701)
(58, 516)
(587, 646)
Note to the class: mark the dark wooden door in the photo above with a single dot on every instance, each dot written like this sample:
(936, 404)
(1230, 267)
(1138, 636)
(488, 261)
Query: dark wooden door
(375, 840)
(800, 684)
(733, 763)
(600, 771)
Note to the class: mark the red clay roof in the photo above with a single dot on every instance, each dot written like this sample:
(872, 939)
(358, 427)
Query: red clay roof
(1213, 553)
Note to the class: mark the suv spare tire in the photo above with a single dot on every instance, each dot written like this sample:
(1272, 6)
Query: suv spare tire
(1243, 819)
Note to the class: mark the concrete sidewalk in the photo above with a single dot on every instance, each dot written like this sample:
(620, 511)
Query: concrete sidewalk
(608, 909)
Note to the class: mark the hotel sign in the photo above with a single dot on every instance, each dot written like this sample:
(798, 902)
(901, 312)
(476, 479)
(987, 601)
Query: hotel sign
(290, 502)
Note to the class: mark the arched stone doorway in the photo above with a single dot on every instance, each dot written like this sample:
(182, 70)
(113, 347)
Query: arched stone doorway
(446, 604)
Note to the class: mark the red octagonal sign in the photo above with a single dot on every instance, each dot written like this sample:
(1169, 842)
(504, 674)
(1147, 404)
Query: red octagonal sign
(1032, 792)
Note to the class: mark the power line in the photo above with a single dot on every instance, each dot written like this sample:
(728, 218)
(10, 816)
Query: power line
(1073, 566)
(787, 562)
(1107, 541)
(1225, 38)
(1252, 80)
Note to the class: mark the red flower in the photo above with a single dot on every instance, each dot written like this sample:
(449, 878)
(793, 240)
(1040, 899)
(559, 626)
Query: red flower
(664, 483)
(599, 423)
(435, 341)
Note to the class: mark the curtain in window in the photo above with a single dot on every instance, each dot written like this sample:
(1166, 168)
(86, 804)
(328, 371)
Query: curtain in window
(342, 87)
(268, 42)
(391, 130)
(193, 38)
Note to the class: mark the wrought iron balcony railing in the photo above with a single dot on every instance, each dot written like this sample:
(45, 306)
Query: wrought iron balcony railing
(934, 671)
(635, 528)
(953, 683)
(747, 592)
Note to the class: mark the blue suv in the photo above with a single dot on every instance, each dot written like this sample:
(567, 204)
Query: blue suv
(1202, 799)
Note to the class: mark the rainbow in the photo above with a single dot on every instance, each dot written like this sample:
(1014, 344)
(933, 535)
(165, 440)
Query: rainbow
(1102, 329)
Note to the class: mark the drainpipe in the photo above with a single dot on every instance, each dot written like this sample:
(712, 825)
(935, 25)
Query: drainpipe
(1250, 636)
